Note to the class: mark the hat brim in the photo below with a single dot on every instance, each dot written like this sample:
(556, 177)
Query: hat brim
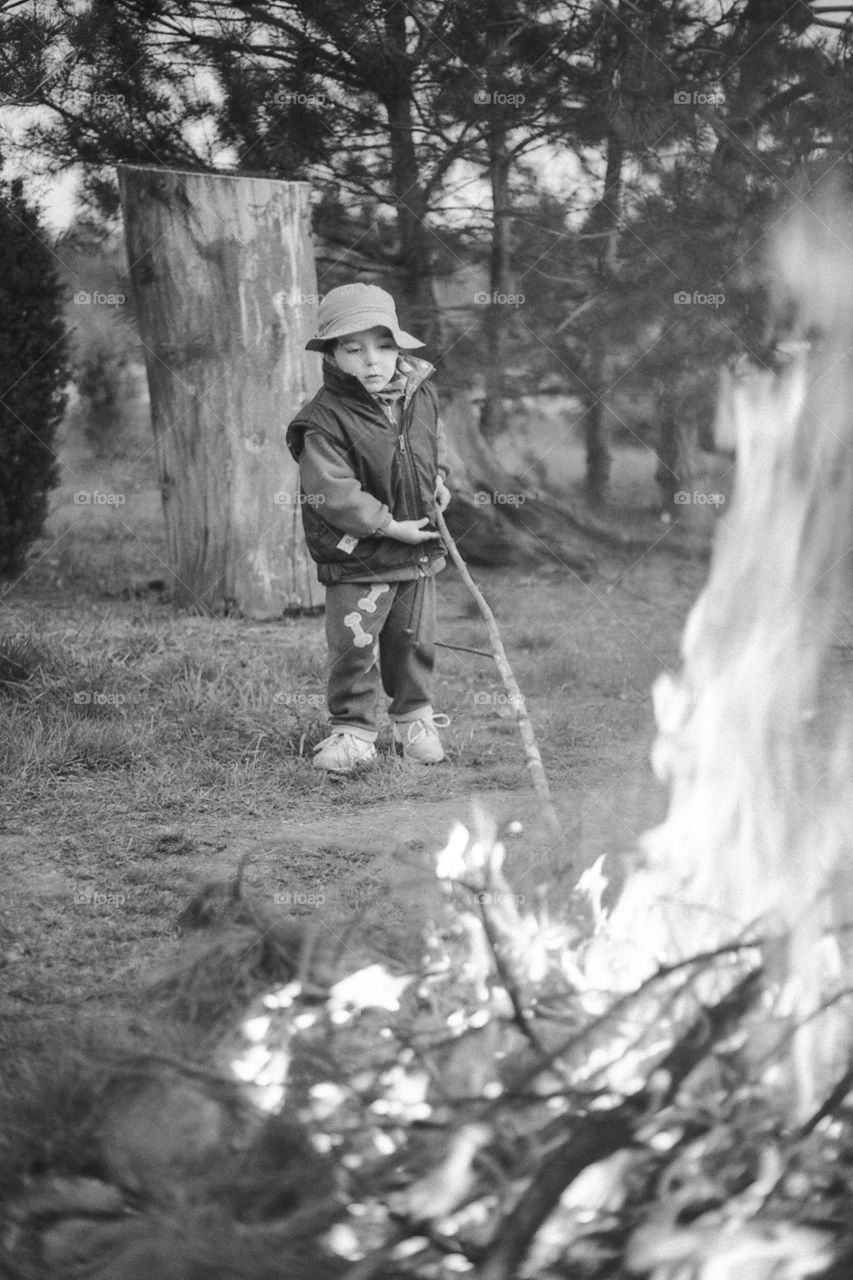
(357, 323)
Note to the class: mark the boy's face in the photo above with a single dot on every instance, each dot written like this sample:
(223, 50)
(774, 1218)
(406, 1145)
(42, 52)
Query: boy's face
(370, 356)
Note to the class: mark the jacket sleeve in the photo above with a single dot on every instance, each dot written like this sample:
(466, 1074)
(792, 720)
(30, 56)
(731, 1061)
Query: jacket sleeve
(329, 480)
(443, 457)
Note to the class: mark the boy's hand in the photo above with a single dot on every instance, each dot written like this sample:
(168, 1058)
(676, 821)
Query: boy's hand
(442, 494)
(410, 531)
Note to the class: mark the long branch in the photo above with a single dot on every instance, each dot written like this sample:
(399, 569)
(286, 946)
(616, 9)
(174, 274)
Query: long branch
(525, 728)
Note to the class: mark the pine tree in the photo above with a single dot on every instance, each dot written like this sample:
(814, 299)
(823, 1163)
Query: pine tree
(33, 377)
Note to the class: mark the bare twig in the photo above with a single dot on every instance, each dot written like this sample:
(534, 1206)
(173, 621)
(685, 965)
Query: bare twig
(601, 1133)
(592, 1028)
(525, 728)
(828, 1106)
(793, 1027)
(463, 648)
(510, 986)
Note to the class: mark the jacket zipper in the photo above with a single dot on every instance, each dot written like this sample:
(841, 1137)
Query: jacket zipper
(408, 466)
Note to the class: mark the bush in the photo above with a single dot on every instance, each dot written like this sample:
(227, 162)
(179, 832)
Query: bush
(34, 358)
(106, 355)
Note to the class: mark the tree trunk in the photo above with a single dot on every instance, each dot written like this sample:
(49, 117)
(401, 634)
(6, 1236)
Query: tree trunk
(605, 221)
(610, 206)
(495, 518)
(596, 433)
(416, 242)
(225, 293)
(676, 448)
(668, 472)
(493, 420)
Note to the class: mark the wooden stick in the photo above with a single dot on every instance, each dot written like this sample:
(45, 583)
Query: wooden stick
(462, 648)
(516, 699)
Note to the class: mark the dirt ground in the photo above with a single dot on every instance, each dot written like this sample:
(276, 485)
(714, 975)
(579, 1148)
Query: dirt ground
(156, 750)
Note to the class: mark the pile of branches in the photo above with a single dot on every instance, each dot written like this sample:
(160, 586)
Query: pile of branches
(497, 1113)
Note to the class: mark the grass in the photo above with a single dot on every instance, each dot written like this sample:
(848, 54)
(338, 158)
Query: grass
(146, 754)
(144, 751)
(51, 1129)
(147, 744)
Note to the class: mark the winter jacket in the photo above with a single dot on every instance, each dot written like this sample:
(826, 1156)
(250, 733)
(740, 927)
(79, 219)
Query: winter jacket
(359, 469)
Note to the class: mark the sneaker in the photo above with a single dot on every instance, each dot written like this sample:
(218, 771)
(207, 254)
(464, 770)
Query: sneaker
(342, 751)
(418, 740)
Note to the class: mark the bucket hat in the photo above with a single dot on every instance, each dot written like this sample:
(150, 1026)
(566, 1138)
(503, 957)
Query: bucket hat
(352, 308)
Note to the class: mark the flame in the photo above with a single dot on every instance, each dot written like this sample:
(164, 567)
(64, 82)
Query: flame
(370, 988)
(761, 783)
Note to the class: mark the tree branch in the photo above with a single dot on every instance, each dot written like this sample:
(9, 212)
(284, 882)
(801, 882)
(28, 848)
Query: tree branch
(601, 1133)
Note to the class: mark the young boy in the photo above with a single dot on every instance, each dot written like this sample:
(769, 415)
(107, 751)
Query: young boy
(373, 464)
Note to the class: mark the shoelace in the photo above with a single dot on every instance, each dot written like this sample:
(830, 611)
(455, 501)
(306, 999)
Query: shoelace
(339, 734)
(417, 729)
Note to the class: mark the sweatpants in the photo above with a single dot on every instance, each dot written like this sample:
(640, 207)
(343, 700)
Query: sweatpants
(379, 631)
